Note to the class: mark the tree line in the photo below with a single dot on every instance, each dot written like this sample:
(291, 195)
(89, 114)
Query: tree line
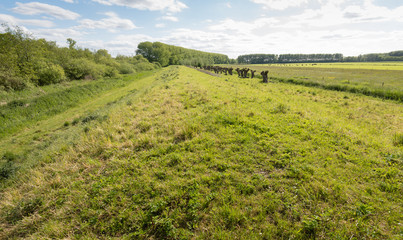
(312, 58)
(288, 58)
(26, 61)
(166, 55)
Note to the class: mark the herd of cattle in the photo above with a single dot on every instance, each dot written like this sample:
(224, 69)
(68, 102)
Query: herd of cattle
(242, 72)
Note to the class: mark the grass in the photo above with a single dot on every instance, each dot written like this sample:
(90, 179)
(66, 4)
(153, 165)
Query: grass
(371, 79)
(351, 65)
(28, 107)
(204, 157)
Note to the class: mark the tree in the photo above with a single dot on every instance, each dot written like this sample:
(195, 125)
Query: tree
(71, 43)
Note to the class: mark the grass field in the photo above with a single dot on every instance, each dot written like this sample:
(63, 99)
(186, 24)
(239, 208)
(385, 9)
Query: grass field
(350, 65)
(23, 108)
(374, 79)
(181, 154)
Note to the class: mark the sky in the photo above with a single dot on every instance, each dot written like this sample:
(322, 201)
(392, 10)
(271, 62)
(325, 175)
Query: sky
(231, 27)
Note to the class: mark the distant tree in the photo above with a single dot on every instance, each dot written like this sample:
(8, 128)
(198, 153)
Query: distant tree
(71, 43)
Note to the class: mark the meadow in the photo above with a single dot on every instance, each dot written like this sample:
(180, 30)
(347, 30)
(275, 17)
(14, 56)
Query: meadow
(383, 79)
(180, 154)
(351, 65)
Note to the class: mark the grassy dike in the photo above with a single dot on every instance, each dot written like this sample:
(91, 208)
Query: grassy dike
(205, 157)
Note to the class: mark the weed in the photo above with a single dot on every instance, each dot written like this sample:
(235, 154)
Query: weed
(281, 108)
(363, 211)
(23, 209)
(16, 103)
(144, 126)
(66, 124)
(89, 118)
(398, 139)
(310, 227)
(9, 156)
(75, 121)
(8, 166)
(86, 129)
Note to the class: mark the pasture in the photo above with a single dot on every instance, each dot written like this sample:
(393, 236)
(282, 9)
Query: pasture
(350, 65)
(181, 154)
(384, 80)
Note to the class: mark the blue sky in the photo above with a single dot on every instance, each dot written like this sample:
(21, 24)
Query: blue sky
(231, 27)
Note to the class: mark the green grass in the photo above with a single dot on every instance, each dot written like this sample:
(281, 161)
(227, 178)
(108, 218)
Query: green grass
(201, 157)
(371, 79)
(30, 106)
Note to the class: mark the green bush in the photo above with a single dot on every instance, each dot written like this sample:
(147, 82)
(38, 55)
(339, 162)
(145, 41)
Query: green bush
(126, 68)
(110, 72)
(49, 73)
(143, 66)
(82, 68)
(10, 81)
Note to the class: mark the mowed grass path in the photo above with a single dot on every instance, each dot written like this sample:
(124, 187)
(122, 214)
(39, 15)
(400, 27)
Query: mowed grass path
(34, 142)
(204, 157)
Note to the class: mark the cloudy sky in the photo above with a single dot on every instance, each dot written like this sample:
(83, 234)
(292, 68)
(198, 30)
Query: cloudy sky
(231, 27)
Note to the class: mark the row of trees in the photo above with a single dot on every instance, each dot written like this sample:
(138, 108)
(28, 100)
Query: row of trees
(25, 61)
(376, 57)
(166, 55)
(308, 58)
(289, 58)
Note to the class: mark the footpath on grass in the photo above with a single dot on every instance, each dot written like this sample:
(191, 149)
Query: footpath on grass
(33, 143)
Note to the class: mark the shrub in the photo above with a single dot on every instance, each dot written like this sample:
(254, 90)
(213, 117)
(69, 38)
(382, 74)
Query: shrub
(49, 73)
(10, 81)
(110, 72)
(144, 67)
(126, 68)
(82, 68)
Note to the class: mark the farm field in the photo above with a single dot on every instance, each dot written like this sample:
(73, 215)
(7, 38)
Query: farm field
(180, 154)
(376, 79)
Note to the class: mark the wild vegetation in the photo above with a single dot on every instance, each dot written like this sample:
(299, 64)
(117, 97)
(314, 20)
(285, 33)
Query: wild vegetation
(191, 155)
(28, 62)
(166, 55)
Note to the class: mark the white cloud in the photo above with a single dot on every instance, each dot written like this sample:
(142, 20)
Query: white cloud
(170, 18)
(68, 1)
(112, 23)
(280, 4)
(36, 8)
(160, 25)
(57, 34)
(152, 5)
(8, 19)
